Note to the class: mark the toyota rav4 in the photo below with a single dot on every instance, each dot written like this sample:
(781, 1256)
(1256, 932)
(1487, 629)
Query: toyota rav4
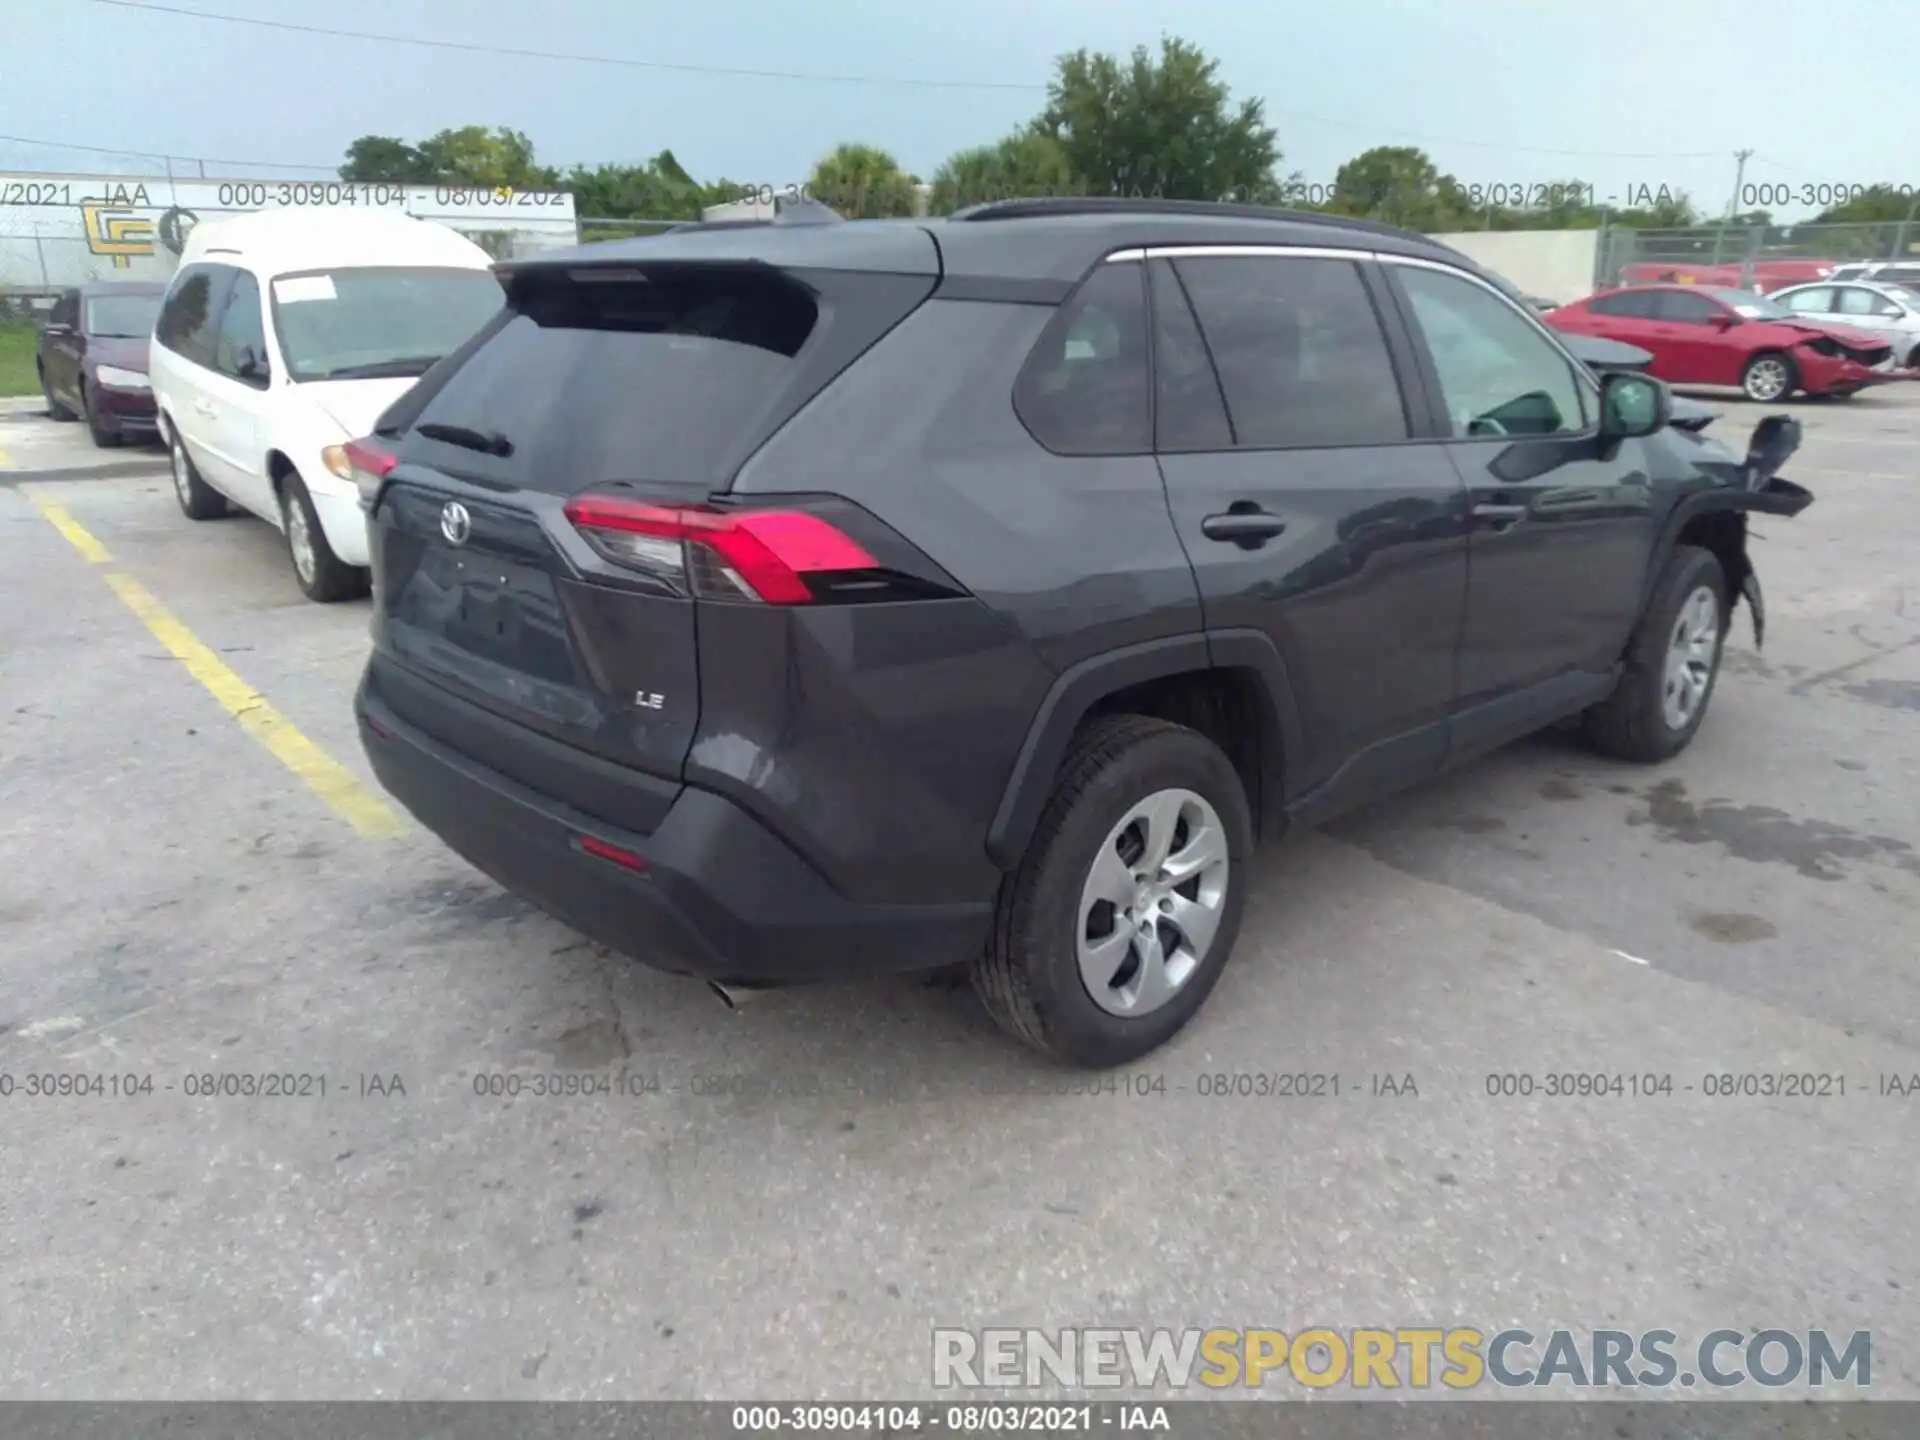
(815, 599)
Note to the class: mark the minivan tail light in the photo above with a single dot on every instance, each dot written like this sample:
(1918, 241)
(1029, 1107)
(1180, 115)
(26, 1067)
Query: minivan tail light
(367, 462)
(752, 555)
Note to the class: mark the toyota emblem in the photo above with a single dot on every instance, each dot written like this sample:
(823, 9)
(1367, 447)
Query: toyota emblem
(455, 523)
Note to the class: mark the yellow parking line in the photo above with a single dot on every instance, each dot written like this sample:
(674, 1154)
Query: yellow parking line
(371, 816)
(76, 533)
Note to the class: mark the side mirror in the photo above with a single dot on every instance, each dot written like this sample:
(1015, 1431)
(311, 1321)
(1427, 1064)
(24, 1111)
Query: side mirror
(251, 366)
(1774, 441)
(1725, 322)
(1633, 405)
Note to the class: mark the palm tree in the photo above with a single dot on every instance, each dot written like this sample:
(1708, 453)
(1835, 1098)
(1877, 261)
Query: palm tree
(863, 182)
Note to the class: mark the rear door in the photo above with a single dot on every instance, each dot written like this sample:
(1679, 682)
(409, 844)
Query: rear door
(181, 359)
(1312, 508)
(644, 387)
(1868, 310)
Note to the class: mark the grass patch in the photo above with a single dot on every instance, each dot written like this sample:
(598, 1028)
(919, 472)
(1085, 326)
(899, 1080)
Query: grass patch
(17, 375)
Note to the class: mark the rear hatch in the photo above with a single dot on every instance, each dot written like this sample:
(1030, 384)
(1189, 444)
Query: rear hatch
(555, 506)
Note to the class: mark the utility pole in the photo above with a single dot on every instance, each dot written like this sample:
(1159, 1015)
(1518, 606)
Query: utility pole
(1739, 177)
(1732, 204)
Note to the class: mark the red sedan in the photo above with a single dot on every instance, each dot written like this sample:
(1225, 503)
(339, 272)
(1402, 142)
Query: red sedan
(1701, 335)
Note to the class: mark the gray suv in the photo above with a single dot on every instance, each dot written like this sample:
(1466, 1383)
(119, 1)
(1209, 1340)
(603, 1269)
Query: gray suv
(815, 599)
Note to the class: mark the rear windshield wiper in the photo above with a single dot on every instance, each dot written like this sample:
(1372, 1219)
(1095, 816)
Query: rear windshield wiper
(487, 442)
(381, 369)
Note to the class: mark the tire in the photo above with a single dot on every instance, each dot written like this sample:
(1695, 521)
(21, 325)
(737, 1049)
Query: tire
(1913, 360)
(55, 410)
(1637, 722)
(322, 575)
(104, 439)
(1030, 976)
(198, 500)
(1770, 377)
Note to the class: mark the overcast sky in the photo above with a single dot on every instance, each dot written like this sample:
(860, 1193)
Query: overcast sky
(1630, 92)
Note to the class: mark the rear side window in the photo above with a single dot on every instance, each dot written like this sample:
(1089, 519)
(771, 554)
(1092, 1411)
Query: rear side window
(1189, 412)
(1083, 390)
(625, 377)
(1687, 308)
(1299, 351)
(1638, 303)
(186, 323)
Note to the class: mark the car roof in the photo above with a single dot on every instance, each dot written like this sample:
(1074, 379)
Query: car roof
(1050, 244)
(94, 289)
(283, 241)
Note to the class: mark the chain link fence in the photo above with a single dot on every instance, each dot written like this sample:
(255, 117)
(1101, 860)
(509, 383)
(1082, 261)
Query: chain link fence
(1743, 255)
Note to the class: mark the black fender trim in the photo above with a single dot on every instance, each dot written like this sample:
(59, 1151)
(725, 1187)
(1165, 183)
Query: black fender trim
(1081, 686)
(1777, 497)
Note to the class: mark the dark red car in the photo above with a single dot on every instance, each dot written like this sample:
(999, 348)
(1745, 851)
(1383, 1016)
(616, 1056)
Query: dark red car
(92, 357)
(1701, 335)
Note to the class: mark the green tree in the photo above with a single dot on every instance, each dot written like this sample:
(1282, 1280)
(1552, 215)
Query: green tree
(863, 182)
(1401, 185)
(1026, 163)
(659, 189)
(475, 155)
(1158, 126)
(1879, 205)
(384, 160)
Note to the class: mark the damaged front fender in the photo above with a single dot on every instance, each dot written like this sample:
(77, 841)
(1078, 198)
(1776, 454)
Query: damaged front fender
(1715, 518)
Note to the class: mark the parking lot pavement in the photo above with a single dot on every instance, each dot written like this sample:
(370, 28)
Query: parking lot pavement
(784, 1200)
(33, 446)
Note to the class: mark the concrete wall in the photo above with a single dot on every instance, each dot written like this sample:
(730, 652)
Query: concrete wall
(1556, 265)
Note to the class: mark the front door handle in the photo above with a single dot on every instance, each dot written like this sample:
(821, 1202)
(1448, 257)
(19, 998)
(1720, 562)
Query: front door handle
(1500, 517)
(1249, 529)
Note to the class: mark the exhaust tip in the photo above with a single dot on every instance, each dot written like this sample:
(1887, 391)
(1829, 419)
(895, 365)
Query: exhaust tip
(734, 996)
(720, 990)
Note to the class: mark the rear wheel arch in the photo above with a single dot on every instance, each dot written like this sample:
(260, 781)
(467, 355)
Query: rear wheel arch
(1230, 686)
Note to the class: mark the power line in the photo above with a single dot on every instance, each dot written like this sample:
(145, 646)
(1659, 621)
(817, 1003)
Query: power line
(157, 154)
(474, 48)
(908, 82)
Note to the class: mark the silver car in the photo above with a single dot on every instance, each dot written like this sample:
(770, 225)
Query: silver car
(1885, 310)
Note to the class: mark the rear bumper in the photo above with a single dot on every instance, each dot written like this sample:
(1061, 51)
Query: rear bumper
(720, 896)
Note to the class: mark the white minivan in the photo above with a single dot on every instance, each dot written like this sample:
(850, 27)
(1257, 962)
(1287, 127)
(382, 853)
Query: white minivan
(283, 336)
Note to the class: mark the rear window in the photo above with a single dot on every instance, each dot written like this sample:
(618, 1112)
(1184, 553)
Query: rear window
(601, 377)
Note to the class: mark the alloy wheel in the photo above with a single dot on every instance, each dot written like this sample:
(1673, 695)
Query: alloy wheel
(1152, 902)
(177, 461)
(1692, 651)
(1767, 379)
(299, 539)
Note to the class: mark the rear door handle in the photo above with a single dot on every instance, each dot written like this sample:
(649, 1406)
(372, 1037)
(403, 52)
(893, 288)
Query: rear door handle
(1500, 516)
(1248, 529)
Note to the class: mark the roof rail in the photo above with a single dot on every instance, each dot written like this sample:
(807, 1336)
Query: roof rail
(1038, 206)
(686, 225)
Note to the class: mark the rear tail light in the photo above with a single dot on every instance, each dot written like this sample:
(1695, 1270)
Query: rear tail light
(366, 462)
(760, 556)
